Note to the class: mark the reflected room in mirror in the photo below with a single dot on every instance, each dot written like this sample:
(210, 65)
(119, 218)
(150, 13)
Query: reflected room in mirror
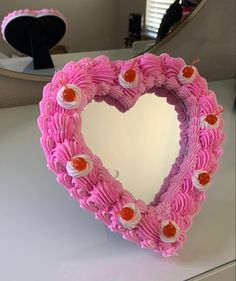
(126, 29)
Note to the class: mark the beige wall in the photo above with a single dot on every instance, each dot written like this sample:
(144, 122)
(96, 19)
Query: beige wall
(124, 8)
(210, 36)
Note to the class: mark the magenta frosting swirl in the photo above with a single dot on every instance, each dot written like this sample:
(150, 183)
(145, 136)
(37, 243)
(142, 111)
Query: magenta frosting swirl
(200, 148)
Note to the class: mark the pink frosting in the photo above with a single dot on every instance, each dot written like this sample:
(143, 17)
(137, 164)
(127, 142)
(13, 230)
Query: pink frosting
(200, 148)
(30, 13)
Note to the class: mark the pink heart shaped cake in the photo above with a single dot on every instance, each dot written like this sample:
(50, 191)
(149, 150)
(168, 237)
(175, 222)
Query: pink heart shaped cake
(162, 224)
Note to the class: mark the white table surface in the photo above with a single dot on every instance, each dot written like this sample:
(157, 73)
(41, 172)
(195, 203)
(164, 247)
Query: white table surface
(25, 64)
(45, 236)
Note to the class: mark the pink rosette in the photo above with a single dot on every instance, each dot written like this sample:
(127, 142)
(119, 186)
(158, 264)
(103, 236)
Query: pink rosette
(187, 184)
(208, 104)
(102, 71)
(80, 78)
(183, 204)
(210, 138)
(65, 180)
(149, 244)
(151, 69)
(89, 205)
(63, 126)
(59, 79)
(184, 222)
(55, 166)
(49, 106)
(171, 66)
(148, 228)
(205, 160)
(131, 235)
(170, 249)
(105, 195)
(43, 123)
(102, 75)
(201, 84)
(71, 69)
(63, 152)
(48, 144)
(172, 84)
(198, 196)
(79, 193)
(47, 92)
(103, 216)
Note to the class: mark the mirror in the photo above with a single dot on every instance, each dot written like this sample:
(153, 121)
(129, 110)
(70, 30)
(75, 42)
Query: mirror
(141, 144)
(119, 29)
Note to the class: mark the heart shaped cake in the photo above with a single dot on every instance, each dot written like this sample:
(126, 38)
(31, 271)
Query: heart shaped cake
(162, 224)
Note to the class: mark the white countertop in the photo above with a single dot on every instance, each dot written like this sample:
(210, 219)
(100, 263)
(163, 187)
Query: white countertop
(45, 236)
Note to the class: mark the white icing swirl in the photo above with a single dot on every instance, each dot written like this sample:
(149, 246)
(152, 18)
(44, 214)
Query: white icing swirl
(196, 182)
(169, 239)
(126, 84)
(205, 124)
(76, 173)
(69, 105)
(186, 80)
(131, 224)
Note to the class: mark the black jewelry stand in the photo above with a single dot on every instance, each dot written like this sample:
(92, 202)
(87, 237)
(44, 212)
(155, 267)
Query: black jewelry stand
(35, 37)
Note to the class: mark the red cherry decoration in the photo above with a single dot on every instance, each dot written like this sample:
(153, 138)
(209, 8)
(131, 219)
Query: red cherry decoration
(211, 119)
(69, 95)
(127, 213)
(204, 178)
(79, 163)
(129, 75)
(169, 230)
(188, 71)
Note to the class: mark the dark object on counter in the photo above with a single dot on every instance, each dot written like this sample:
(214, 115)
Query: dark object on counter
(135, 29)
(35, 37)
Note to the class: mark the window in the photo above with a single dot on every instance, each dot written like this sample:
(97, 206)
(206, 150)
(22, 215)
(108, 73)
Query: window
(155, 10)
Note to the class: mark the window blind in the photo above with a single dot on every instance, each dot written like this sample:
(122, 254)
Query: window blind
(155, 10)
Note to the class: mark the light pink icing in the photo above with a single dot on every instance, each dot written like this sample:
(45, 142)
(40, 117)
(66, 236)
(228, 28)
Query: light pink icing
(30, 13)
(200, 148)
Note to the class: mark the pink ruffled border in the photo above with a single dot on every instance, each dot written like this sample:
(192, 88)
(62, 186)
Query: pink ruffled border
(178, 200)
(31, 13)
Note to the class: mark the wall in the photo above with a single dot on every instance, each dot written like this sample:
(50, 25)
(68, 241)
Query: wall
(124, 8)
(210, 36)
